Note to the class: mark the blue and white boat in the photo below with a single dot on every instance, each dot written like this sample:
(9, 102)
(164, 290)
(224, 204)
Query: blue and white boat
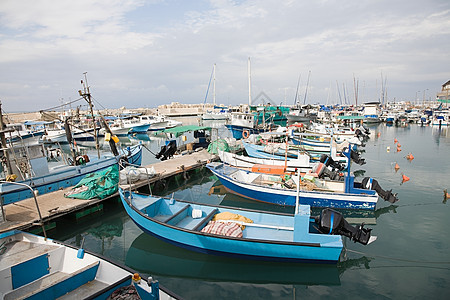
(34, 267)
(341, 191)
(35, 170)
(242, 233)
(272, 189)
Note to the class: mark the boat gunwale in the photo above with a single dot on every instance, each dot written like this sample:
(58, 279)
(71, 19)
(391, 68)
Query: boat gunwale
(197, 232)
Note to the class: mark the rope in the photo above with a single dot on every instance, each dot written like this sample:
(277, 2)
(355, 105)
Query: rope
(62, 105)
(148, 149)
(398, 259)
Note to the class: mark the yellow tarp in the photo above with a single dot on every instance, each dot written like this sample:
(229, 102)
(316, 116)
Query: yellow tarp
(231, 216)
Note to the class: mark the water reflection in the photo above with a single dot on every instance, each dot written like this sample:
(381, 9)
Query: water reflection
(153, 256)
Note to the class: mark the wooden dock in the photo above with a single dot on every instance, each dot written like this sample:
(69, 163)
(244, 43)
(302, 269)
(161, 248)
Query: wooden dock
(23, 215)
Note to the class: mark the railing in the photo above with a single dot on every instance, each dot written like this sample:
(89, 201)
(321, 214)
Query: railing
(34, 192)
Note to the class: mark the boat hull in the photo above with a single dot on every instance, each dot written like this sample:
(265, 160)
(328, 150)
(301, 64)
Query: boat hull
(65, 176)
(287, 197)
(255, 249)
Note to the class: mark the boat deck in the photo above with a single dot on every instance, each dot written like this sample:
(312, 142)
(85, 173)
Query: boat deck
(23, 215)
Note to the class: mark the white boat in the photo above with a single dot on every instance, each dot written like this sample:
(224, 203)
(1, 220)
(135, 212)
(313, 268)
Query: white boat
(34, 267)
(302, 162)
(19, 133)
(441, 118)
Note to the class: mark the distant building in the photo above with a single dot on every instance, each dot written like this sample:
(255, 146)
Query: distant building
(443, 95)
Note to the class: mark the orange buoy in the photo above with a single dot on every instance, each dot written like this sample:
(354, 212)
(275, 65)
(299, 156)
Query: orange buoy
(398, 145)
(379, 134)
(395, 141)
(409, 156)
(396, 167)
(405, 178)
(399, 149)
(446, 195)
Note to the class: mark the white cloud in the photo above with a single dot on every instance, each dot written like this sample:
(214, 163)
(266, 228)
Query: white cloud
(159, 51)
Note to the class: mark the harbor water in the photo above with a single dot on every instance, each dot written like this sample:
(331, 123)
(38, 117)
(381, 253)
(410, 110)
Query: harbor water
(409, 260)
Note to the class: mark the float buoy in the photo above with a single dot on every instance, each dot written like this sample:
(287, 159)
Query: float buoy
(399, 149)
(398, 145)
(379, 134)
(409, 156)
(245, 134)
(396, 167)
(405, 178)
(395, 141)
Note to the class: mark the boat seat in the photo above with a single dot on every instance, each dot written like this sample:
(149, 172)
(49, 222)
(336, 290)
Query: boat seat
(26, 250)
(140, 203)
(178, 216)
(94, 289)
(202, 221)
(55, 284)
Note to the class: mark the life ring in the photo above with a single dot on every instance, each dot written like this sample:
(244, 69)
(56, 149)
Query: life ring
(245, 134)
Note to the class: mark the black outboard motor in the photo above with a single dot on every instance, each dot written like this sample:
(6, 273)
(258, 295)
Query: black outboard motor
(371, 184)
(357, 158)
(323, 172)
(167, 151)
(332, 222)
(329, 162)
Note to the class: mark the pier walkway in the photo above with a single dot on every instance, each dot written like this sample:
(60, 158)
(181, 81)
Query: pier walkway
(23, 214)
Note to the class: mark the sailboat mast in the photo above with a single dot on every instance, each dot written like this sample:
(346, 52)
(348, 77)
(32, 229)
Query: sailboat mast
(249, 84)
(306, 91)
(214, 86)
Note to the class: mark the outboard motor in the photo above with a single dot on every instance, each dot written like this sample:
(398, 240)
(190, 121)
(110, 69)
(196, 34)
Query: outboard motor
(323, 172)
(357, 158)
(332, 222)
(371, 184)
(329, 162)
(167, 151)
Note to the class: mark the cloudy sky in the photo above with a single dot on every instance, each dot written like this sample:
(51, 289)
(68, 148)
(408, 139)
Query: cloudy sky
(143, 53)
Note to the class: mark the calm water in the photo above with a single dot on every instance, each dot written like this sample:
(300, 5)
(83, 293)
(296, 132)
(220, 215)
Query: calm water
(410, 259)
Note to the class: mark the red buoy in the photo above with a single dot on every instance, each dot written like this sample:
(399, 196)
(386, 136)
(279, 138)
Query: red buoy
(405, 178)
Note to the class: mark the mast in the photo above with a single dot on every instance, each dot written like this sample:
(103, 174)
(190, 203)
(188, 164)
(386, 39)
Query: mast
(3, 141)
(87, 96)
(355, 88)
(214, 85)
(296, 92)
(306, 91)
(249, 84)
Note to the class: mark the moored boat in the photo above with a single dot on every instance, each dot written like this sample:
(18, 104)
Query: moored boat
(34, 267)
(339, 191)
(247, 234)
(34, 170)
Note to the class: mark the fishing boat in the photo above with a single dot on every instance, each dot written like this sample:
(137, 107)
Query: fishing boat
(323, 188)
(18, 133)
(302, 162)
(34, 267)
(127, 125)
(243, 233)
(278, 151)
(35, 170)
